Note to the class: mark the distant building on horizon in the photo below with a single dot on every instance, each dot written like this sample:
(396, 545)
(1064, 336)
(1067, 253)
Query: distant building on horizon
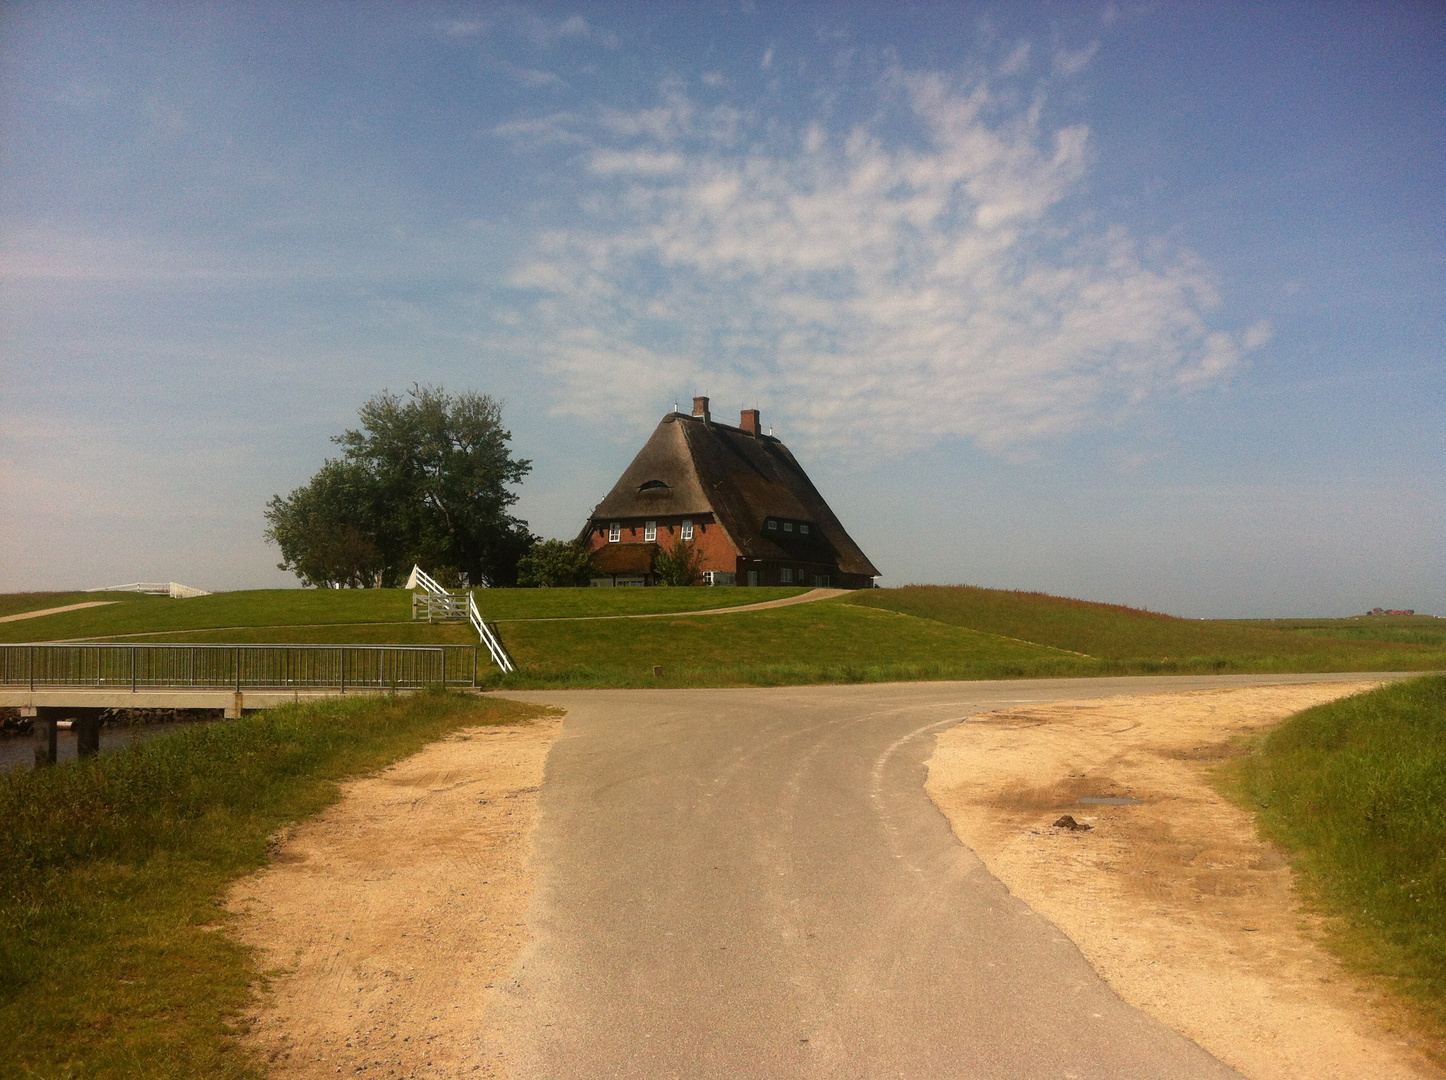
(737, 495)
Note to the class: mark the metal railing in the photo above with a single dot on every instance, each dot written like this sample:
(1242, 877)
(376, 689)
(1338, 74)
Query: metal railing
(238, 667)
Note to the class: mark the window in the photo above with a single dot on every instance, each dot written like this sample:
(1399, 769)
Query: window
(687, 530)
(772, 525)
(650, 530)
(803, 530)
(653, 485)
(788, 526)
(615, 532)
(785, 575)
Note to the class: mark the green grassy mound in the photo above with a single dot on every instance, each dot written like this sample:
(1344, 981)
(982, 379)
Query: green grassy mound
(918, 632)
(291, 614)
(827, 641)
(1357, 789)
(111, 964)
(1145, 642)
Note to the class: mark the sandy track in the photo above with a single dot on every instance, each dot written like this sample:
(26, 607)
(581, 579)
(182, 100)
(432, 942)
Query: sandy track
(1175, 902)
(55, 610)
(809, 597)
(388, 918)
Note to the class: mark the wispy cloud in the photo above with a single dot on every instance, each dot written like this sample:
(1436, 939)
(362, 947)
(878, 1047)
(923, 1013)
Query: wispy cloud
(879, 292)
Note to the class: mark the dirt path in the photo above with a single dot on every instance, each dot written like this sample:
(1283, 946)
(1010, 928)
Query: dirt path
(390, 916)
(1174, 901)
(804, 598)
(788, 601)
(55, 610)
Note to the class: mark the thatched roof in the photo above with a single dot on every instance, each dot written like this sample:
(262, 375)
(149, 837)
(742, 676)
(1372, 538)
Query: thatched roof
(694, 465)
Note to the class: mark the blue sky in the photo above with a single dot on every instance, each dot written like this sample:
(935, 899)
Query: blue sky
(1135, 302)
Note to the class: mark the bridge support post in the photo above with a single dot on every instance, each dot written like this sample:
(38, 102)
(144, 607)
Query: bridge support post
(87, 735)
(43, 733)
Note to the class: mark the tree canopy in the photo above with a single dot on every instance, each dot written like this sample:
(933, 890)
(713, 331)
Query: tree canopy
(555, 564)
(425, 479)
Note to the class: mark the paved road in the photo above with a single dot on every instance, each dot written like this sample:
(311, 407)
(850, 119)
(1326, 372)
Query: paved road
(742, 884)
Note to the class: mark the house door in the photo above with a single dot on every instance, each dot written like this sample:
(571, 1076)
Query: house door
(753, 577)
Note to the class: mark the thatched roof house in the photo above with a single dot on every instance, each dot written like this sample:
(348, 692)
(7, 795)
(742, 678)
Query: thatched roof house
(737, 495)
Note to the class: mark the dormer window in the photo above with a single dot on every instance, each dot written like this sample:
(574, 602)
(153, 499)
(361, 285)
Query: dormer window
(788, 526)
(653, 485)
(772, 525)
(687, 530)
(615, 532)
(803, 530)
(650, 531)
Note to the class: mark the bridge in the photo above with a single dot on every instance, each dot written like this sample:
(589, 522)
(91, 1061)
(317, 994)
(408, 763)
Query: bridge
(81, 681)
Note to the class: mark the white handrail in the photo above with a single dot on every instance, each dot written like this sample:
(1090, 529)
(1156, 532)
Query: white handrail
(420, 577)
(499, 654)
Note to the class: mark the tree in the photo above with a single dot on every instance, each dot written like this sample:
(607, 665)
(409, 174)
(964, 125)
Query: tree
(681, 564)
(555, 564)
(425, 479)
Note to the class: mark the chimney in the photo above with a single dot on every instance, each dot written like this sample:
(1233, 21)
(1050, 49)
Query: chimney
(700, 407)
(750, 422)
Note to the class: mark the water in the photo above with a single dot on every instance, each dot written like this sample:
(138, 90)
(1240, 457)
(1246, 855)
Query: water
(18, 751)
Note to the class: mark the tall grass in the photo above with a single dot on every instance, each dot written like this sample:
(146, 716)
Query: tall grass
(111, 959)
(1127, 635)
(1357, 789)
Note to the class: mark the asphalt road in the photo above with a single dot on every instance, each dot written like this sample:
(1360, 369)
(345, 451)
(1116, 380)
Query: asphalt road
(741, 884)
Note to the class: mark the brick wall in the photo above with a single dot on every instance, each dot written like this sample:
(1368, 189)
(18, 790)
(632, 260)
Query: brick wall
(708, 538)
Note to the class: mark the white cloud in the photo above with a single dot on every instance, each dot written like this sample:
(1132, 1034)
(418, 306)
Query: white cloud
(1067, 62)
(876, 293)
(534, 78)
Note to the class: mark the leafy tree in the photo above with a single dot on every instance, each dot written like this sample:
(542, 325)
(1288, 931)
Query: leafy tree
(681, 564)
(324, 529)
(424, 479)
(556, 563)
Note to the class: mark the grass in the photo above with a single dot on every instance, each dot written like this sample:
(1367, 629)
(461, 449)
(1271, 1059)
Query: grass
(17, 603)
(276, 608)
(1357, 790)
(1406, 629)
(1145, 642)
(112, 959)
(917, 632)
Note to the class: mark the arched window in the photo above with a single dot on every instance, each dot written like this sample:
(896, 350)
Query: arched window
(653, 485)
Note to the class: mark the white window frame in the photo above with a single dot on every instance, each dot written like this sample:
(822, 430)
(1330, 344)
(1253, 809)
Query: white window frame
(615, 532)
(772, 525)
(650, 531)
(803, 530)
(788, 526)
(785, 575)
(687, 530)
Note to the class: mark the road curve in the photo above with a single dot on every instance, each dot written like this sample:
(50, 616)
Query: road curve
(752, 884)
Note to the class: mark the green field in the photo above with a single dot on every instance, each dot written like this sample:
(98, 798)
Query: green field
(1148, 642)
(111, 965)
(565, 637)
(1406, 629)
(1357, 790)
(288, 610)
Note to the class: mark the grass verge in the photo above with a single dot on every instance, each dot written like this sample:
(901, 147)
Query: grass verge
(112, 959)
(1357, 790)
